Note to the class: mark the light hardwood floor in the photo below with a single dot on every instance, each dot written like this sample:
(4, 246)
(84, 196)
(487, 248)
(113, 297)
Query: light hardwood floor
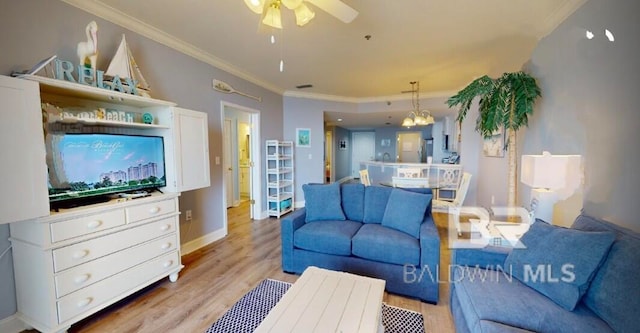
(216, 276)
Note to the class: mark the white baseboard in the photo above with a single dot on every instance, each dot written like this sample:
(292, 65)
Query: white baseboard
(202, 241)
(12, 324)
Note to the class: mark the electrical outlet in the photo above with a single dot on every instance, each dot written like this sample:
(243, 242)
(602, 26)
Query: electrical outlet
(187, 215)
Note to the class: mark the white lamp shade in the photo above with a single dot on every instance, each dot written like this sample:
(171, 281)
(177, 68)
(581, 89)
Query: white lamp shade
(551, 172)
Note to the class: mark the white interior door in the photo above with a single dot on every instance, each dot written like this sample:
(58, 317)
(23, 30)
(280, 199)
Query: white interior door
(409, 147)
(228, 162)
(363, 148)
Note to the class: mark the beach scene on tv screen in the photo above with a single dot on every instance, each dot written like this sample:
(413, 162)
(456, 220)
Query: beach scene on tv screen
(95, 164)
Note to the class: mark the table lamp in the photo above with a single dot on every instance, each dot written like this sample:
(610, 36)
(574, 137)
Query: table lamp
(552, 178)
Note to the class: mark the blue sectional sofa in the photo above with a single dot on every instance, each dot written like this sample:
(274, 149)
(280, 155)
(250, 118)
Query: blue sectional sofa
(374, 231)
(598, 292)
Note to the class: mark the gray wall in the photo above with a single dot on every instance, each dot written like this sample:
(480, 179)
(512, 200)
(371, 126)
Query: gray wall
(342, 160)
(309, 113)
(172, 75)
(590, 104)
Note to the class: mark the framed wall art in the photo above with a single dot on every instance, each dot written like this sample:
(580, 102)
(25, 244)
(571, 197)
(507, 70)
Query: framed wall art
(303, 137)
(493, 146)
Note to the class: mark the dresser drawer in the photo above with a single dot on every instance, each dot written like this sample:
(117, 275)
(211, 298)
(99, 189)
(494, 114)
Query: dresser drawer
(80, 253)
(86, 225)
(150, 210)
(89, 273)
(115, 287)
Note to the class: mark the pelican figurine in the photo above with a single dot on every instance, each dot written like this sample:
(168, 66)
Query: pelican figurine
(88, 51)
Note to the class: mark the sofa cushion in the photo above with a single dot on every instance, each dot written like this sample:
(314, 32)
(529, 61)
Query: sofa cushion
(614, 293)
(375, 203)
(375, 242)
(322, 202)
(330, 237)
(353, 201)
(488, 295)
(405, 211)
(559, 262)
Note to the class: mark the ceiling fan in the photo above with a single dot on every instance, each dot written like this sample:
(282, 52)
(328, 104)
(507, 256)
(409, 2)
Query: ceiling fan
(270, 10)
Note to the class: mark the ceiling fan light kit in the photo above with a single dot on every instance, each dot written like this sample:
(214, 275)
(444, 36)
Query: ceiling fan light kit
(271, 15)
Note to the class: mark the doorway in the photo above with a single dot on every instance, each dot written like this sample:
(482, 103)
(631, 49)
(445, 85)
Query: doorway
(363, 149)
(241, 160)
(328, 157)
(409, 147)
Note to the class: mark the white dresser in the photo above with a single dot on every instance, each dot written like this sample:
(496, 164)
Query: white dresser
(77, 261)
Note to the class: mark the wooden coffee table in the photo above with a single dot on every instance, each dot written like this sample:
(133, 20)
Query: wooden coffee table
(328, 301)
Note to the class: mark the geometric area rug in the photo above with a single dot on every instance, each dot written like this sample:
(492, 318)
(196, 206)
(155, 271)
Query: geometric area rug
(247, 314)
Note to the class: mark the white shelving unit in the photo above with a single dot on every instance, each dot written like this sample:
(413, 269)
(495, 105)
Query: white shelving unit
(280, 176)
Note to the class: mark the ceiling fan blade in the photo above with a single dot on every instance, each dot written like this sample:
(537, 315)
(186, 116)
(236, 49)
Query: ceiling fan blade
(336, 8)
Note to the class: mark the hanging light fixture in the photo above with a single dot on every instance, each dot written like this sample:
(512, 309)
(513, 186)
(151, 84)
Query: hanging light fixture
(272, 15)
(417, 117)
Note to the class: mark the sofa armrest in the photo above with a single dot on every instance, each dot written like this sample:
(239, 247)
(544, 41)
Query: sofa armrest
(429, 244)
(488, 257)
(288, 227)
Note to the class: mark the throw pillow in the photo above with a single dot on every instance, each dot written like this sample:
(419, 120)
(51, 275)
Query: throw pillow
(559, 262)
(375, 202)
(353, 201)
(322, 202)
(405, 211)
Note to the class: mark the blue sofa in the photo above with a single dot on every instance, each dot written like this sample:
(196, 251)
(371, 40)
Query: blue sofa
(351, 228)
(485, 299)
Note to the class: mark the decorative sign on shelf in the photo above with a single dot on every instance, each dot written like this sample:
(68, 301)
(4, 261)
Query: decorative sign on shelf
(64, 70)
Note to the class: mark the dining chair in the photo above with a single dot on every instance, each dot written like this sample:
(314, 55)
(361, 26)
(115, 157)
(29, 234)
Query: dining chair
(364, 177)
(451, 207)
(409, 172)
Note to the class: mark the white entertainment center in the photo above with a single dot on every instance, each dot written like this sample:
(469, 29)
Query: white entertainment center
(73, 262)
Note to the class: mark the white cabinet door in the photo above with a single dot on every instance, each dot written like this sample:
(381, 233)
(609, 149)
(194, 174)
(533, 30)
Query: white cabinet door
(23, 174)
(191, 137)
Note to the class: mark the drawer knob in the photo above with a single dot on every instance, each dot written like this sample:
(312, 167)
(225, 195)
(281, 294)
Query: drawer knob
(81, 278)
(80, 254)
(84, 302)
(154, 210)
(165, 246)
(165, 227)
(167, 263)
(94, 224)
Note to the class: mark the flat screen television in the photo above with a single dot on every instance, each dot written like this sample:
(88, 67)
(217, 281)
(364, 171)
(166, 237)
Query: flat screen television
(90, 168)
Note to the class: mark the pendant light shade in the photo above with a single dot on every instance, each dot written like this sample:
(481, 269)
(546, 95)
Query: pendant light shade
(255, 5)
(417, 116)
(272, 15)
(303, 14)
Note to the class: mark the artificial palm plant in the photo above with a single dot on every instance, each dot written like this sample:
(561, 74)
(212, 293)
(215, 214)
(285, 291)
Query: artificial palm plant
(505, 102)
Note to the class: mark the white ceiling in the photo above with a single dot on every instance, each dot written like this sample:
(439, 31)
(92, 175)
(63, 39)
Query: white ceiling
(444, 44)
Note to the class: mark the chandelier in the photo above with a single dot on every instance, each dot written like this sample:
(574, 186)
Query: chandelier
(417, 116)
(270, 10)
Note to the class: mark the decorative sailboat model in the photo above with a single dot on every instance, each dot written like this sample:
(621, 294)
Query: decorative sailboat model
(124, 66)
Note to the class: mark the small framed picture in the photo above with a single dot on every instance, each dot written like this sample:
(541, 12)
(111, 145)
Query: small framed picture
(385, 143)
(493, 146)
(342, 144)
(303, 137)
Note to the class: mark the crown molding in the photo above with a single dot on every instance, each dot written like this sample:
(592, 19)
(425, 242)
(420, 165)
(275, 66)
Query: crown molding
(558, 16)
(361, 100)
(124, 20)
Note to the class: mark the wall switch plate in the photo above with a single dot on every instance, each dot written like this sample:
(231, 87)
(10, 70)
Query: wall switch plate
(217, 160)
(187, 215)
